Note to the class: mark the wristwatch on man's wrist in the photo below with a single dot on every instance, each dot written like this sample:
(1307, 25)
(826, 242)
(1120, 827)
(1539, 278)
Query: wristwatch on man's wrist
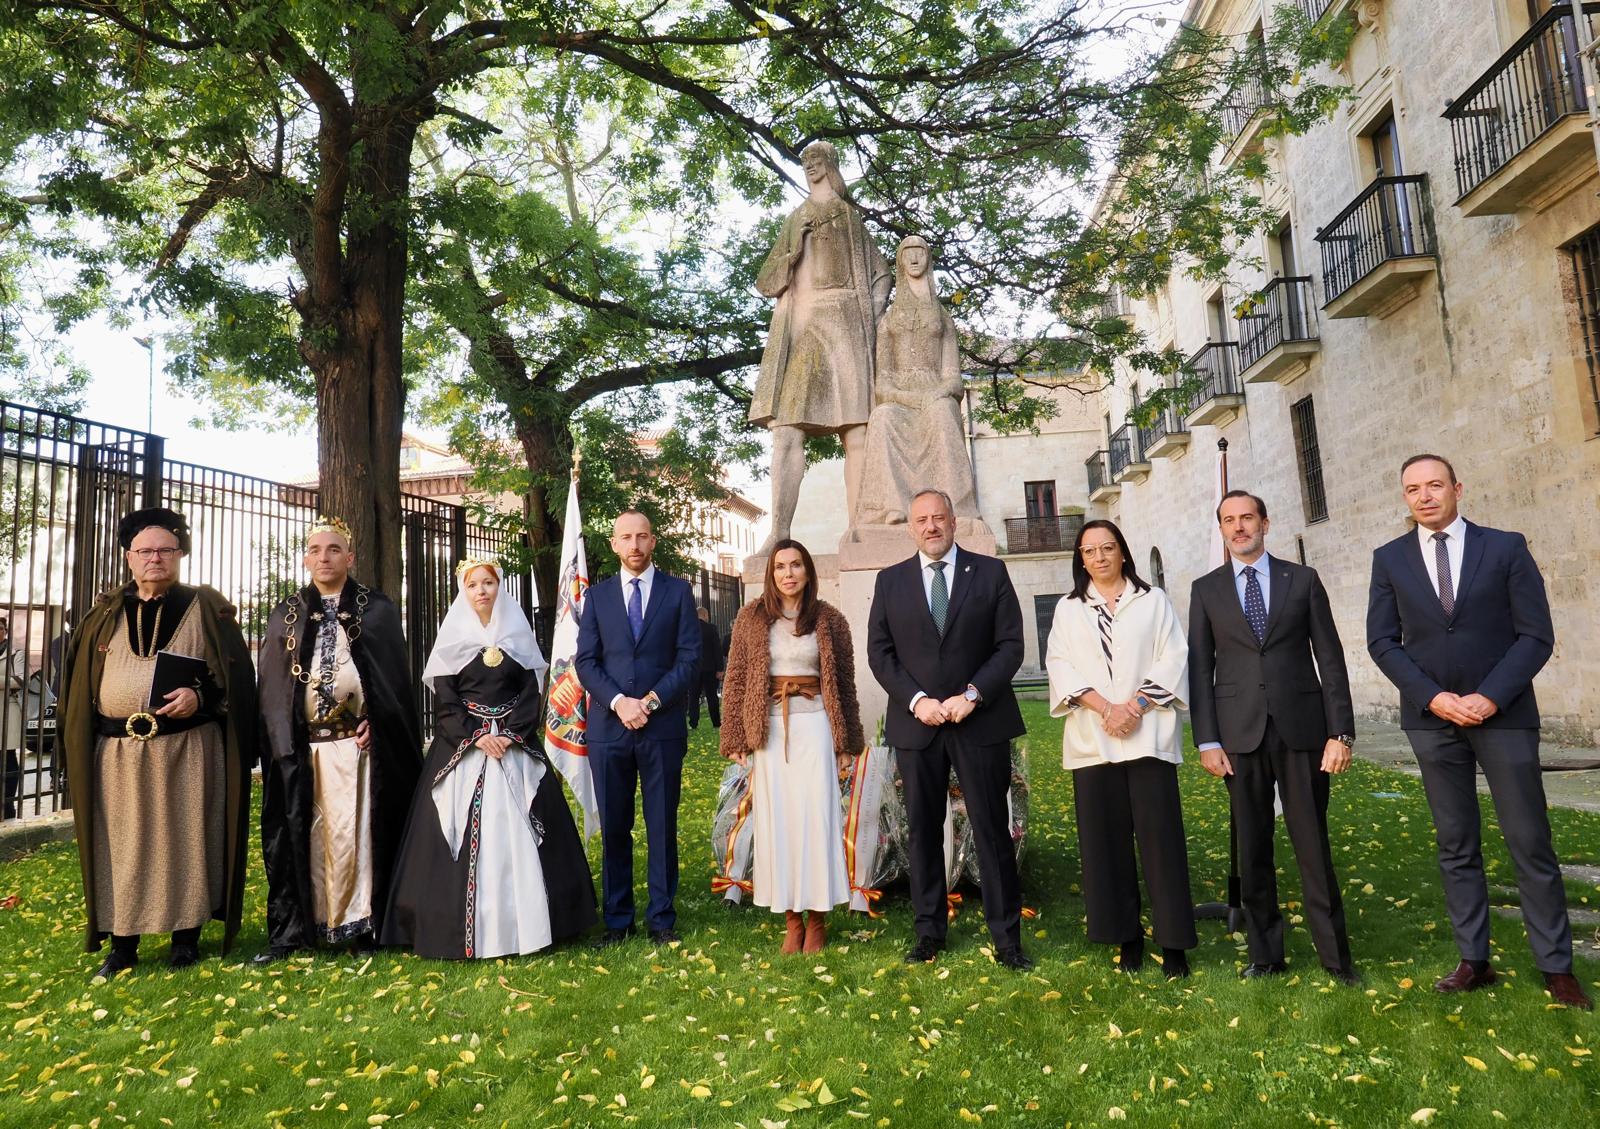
(1348, 740)
(651, 702)
(971, 694)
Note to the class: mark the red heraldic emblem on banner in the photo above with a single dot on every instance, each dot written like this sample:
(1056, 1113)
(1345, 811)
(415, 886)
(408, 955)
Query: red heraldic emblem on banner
(566, 704)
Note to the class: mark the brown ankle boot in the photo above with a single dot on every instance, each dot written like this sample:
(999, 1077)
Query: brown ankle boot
(816, 931)
(794, 932)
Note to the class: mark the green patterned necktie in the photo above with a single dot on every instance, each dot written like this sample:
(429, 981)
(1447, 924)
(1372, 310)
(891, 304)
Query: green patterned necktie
(941, 596)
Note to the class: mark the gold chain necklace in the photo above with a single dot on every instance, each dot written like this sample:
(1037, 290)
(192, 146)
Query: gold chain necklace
(352, 632)
(138, 631)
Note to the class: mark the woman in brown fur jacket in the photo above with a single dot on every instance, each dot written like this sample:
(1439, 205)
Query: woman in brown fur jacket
(790, 713)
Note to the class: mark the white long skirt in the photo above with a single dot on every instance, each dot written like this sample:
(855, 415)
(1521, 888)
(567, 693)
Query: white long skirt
(798, 828)
(509, 911)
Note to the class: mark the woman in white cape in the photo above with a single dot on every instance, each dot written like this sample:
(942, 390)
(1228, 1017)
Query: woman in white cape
(492, 864)
(1119, 673)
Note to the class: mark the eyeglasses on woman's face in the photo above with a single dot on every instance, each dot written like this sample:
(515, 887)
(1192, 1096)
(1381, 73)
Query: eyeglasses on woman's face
(1089, 552)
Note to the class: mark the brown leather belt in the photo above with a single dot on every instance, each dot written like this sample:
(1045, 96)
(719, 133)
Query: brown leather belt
(786, 686)
(333, 729)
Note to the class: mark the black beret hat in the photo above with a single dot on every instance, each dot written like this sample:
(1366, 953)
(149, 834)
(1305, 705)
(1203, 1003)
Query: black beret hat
(160, 517)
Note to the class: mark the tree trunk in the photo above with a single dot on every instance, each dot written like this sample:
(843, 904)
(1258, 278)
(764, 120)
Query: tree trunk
(355, 349)
(547, 447)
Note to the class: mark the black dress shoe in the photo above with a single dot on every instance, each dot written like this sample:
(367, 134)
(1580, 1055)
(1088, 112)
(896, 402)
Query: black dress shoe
(1259, 971)
(664, 937)
(118, 961)
(925, 951)
(1132, 954)
(1175, 963)
(1014, 958)
(1346, 976)
(273, 955)
(612, 937)
(183, 956)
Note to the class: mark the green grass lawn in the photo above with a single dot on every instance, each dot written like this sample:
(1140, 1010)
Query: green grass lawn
(724, 1031)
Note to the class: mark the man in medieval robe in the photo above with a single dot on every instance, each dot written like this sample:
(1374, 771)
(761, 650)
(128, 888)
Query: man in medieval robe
(160, 777)
(342, 752)
(832, 284)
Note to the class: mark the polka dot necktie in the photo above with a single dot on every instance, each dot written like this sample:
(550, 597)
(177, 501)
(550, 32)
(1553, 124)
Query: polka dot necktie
(940, 597)
(1441, 564)
(1255, 608)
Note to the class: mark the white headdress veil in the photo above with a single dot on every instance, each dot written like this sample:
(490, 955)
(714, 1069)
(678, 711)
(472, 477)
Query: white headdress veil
(462, 636)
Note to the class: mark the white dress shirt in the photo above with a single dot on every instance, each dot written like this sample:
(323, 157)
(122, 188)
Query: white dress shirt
(949, 560)
(646, 579)
(1455, 548)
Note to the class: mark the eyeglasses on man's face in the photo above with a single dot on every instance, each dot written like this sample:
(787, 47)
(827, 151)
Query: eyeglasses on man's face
(165, 554)
(1105, 550)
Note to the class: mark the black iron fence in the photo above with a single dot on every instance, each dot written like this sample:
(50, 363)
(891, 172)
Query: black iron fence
(1536, 83)
(1392, 218)
(1042, 534)
(1282, 311)
(1316, 9)
(1168, 421)
(65, 481)
(1097, 466)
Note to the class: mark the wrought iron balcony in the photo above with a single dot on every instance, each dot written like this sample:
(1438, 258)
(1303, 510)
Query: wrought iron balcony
(1042, 534)
(1377, 247)
(1220, 395)
(1101, 484)
(1165, 434)
(1316, 9)
(1127, 456)
(1277, 331)
(1521, 127)
(1249, 96)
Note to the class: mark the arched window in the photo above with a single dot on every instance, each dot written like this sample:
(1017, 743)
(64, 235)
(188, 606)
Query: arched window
(1158, 575)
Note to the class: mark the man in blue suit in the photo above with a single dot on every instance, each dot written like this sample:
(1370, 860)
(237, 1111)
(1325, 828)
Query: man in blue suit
(1457, 619)
(638, 648)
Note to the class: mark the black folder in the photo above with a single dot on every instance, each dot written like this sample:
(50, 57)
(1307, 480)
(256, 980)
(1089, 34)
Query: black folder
(176, 672)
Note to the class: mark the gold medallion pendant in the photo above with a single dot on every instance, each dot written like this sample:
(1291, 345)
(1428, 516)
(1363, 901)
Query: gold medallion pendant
(493, 656)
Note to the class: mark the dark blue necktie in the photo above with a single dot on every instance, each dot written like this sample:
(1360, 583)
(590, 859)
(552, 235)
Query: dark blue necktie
(636, 609)
(1255, 608)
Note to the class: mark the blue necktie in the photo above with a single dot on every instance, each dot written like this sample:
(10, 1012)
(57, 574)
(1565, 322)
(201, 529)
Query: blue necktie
(1255, 608)
(636, 609)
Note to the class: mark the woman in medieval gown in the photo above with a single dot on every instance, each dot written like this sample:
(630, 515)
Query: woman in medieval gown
(492, 864)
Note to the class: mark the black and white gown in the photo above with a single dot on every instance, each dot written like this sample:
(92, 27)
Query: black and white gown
(492, 863)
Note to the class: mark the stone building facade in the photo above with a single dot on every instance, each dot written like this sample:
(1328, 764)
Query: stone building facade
(1430, 287)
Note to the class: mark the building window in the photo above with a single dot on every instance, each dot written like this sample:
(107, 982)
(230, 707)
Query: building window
(1039, 498)
(1304, 418)
(1585, 251)
(1158, 574)
(1044, 615)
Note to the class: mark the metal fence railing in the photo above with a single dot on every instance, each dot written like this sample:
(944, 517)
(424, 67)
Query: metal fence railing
(1217, 367)
(1248, 96)
(1098, 470)
(65, 482)
(1392, 218)
(1315, 9)
(1124, 449)
(1281, 311)
(1536, 83)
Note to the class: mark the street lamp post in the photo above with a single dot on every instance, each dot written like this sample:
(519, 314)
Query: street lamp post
(149, 344)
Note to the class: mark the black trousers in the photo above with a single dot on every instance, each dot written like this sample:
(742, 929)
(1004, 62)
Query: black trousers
(1299, 778)
(13, 782)
(708, 687)
(1449, 759)
(984, 773)
(129, 944)
(1118, 804)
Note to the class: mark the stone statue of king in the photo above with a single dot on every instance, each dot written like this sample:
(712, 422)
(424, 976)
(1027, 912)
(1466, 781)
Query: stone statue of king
(832, 284)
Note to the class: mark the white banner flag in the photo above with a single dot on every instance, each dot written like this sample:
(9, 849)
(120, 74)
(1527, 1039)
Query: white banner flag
(567, 705)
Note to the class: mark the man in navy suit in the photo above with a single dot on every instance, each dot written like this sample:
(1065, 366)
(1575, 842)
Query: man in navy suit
(944, 638)
(1457, 619)
(638, 650)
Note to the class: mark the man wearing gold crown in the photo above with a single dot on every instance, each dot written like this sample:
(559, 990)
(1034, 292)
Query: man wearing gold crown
(341, 753)
(158, 719)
